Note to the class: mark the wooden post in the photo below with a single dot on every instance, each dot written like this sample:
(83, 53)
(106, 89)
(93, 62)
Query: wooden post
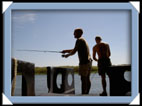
(28, 87)
(118, 85)
(65, 88)
(27, 69)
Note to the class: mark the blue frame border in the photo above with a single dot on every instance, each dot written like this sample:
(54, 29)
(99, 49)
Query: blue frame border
(70, 99)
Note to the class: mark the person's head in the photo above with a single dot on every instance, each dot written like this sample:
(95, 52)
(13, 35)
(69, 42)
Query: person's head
(98, 39)
(78, 33)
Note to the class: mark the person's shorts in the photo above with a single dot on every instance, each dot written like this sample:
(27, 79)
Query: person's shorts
(85, 69)
(103, 64)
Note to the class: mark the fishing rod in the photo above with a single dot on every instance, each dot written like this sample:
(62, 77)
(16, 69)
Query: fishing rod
(63, 54)
(41, 51)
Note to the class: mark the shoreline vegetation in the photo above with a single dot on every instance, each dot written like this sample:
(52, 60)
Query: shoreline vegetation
(43, 70)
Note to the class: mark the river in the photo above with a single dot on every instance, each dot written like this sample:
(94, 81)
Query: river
(41, 84)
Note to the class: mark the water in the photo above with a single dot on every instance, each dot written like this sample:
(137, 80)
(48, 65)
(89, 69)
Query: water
(41, 84)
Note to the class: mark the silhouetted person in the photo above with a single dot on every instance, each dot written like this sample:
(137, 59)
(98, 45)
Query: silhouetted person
(103, 51)
(85, 61)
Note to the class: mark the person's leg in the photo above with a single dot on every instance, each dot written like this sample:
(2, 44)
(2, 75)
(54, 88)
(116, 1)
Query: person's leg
(103, 85)
(83, 82)
(88, 84)
(103, 82)
(88, 77)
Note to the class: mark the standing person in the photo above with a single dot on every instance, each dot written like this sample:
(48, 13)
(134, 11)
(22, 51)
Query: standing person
(103, 51)
(85, 61)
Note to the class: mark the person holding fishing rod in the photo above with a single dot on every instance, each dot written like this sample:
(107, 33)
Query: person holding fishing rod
(85, 61)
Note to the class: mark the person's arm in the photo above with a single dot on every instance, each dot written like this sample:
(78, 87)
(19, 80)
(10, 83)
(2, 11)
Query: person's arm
(73, 50)
(109, 53)
(71, 53)
(67, 51)
(94, 53)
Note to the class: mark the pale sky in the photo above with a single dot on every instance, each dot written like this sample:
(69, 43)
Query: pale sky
(53, 30)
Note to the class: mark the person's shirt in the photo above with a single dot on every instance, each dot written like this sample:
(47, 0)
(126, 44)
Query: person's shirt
(83, 51)
(102, 50)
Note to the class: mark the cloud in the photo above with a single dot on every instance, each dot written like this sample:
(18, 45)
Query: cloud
(24, 18)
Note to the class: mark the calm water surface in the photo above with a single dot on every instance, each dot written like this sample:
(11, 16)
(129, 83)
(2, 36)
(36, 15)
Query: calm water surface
(41, 84)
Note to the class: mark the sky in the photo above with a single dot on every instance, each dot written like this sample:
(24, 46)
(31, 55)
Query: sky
(53, 30)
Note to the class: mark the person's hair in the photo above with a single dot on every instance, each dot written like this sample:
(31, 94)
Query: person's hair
(98, 38)
(79, 31)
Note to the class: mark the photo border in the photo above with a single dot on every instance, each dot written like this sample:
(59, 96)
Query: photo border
(71, 99)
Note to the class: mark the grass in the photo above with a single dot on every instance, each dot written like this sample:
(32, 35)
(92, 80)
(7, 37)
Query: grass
(40, 70)
(43, 70)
